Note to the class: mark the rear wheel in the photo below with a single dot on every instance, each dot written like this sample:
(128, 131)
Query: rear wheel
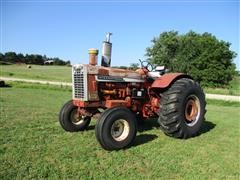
(116, 128)
(182, 109)
(70, 120)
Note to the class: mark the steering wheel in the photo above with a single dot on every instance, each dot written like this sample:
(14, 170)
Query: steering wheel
(145, 64)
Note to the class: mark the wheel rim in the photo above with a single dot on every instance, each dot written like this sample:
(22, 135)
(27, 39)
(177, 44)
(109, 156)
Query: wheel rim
(192, 110)
(120, 130)
(75, 118)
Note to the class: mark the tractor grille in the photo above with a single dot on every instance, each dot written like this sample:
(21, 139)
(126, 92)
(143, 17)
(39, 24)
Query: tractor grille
(80, 84)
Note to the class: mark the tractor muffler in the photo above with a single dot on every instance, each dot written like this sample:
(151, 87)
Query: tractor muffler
(106, 51)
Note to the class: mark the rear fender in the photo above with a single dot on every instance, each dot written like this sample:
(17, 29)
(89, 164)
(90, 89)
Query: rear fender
(167, 79)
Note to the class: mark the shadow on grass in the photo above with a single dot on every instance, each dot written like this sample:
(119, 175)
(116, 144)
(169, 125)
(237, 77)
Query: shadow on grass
(153, 124)
(140, 139)
(206, 127)
(142, 126)
(144, 138)
(5, 86)
(148, 125)
(91, 127)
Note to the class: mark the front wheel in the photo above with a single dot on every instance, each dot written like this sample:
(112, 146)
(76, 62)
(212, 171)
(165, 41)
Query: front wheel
(70, 120)
(116, 128)
(182, 109)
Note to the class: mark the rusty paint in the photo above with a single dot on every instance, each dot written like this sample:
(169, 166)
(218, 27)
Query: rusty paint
(103, 71)
(114, 103)
(165, 80)
(84, 112)
(92, 88)
(94, 104)
(142, 71)
(113, 92)
(79, 103)
(191, 110)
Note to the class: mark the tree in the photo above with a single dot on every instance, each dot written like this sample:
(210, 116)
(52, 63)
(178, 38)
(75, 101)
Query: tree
(68, 63)
(120, 67)
(2, 57)
(10, 57)
(37, 59)
(134, 66)
(57, 61)
(20, 58)
(207, 59)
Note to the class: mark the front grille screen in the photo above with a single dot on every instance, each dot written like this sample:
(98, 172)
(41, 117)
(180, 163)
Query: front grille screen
(79, 84)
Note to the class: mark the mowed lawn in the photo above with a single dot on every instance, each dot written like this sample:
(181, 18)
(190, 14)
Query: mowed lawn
(45, 72)
(232, 89)
(33, 145)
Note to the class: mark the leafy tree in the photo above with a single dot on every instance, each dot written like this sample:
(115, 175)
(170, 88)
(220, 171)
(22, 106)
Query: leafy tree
(207, 59)
(1, 57)
(28, 59)
(123, 67)
(20, 58)
(57, 61)
(12, 57)
(37, 59)
(68, 62)
(120, 67)
(134, 66)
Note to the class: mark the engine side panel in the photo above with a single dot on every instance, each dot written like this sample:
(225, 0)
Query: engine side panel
(95, 86)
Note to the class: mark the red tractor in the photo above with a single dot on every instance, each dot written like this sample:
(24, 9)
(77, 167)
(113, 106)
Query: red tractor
(128, 96)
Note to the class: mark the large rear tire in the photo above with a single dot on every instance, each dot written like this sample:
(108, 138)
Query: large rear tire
(182, 109)
(116, 128)
(69, 119)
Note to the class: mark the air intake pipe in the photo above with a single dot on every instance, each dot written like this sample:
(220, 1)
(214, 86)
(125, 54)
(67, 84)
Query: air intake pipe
(106, 51)
(93, 56)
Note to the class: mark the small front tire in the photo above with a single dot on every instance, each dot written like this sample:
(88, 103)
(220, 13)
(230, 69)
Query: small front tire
(116, 128)
(69, 119)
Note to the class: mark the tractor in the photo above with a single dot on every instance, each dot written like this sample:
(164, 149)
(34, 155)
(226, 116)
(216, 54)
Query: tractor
(120, 98)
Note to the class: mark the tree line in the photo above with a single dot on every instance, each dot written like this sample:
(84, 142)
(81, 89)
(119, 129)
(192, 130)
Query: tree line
(14, 58)
(206, 58)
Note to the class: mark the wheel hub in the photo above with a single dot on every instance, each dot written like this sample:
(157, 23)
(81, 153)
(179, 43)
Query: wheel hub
(120, 130)
(192, 110)
(76, 118)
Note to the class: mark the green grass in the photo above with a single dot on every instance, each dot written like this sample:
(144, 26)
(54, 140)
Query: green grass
(233, 89)
(51, 73)
(33, 145)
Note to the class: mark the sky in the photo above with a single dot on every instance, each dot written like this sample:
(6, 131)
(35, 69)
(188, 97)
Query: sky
(67, 29)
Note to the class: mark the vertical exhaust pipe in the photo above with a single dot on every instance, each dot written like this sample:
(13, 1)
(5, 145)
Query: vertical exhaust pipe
(106, 51)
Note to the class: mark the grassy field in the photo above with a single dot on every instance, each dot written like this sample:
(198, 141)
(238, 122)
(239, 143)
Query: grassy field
(50, 73)
(63, 74)
(233, 89)
(33, 145)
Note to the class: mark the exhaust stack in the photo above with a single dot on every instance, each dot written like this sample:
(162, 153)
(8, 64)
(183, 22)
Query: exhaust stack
(106, 51)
